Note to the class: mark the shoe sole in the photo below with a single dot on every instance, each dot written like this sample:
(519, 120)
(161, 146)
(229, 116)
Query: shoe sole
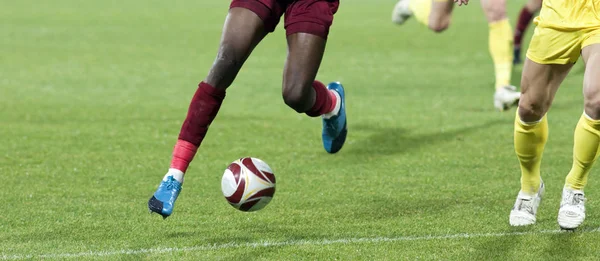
(568, 225)
(342, 138)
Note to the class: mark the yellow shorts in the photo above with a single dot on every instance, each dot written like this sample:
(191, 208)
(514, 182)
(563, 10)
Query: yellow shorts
(563, 29)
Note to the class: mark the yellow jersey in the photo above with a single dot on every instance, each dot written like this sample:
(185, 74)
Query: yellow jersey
(569, 14)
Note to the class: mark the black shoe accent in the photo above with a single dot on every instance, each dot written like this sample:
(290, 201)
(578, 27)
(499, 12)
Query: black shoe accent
(338, 142)
(156, 206)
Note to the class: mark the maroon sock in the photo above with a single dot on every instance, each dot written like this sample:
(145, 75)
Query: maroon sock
(333, 102)
(524, 19)
(324, 100)
(202, 111)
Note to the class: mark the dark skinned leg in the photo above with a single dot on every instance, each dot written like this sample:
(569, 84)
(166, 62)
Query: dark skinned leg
(305, 52)
(242, 32)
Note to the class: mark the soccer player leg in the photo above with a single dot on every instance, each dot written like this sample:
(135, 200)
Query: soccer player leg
(586, 142)
(435, 14)
(539, 85)
(440, 16)
(245, 26)
(500, 47)
(307, 25)
(525, 17)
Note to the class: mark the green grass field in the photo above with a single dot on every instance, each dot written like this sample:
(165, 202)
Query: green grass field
(93, 93)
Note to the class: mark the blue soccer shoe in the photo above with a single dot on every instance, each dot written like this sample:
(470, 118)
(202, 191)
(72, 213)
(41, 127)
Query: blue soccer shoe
(163, 200)
(335, 128)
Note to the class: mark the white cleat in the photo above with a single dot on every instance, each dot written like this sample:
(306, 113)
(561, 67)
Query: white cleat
(525, 209)
(506, 97)
(401, 12)
(572, 209)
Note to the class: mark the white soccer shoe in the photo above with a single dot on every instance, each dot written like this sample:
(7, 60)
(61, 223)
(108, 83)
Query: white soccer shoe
(401, 12)
(506, 97)
(572, 209)
(525, 209)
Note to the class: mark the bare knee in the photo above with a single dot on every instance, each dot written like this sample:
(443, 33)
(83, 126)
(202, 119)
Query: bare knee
(439, 26)
(532, 105)
(495, 10)
(294, 98)
(297, 95)
(591, 92)
(530, 112)
(532, 108)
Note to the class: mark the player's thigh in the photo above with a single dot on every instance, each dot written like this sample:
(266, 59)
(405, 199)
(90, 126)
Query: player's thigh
(242, 31)
(591, 81)
(534, 5)
(441, 14)
(249, 21)
(494, 10)
(307, 26)
(246, 24)
(305, 52)
(539, 83)
(591, 46)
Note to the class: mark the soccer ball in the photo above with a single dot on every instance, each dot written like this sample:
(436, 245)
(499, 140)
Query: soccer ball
(248, 184)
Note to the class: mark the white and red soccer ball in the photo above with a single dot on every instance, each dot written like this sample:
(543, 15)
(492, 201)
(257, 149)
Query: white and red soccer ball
(248, 184)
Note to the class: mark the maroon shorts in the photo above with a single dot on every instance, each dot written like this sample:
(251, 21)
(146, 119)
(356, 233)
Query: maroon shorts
(301, 16)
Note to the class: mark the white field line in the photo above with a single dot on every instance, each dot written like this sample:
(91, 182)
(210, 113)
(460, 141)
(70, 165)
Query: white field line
(322, 242)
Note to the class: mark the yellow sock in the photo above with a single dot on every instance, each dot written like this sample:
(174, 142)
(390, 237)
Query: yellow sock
(421, 10)
(585, 151)
(501, 49)
(530, 139)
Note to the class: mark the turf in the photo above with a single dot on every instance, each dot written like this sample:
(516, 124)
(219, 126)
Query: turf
(92, 95)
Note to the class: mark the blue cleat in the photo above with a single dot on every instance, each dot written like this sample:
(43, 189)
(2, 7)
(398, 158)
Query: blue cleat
(335, 128)
(163, 200)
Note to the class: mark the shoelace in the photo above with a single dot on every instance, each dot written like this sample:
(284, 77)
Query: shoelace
(526, 204)
(575, 199)
(172, 183)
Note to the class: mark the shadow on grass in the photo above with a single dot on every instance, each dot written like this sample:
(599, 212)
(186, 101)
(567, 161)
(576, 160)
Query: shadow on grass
(566, 245)
(502, 248)
(380, 208)
(390, 141)
(562, 245)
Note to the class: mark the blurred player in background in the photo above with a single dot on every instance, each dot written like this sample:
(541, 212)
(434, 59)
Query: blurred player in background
(525, 17)
(565, 30)
(307, 25)
(436, 14)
